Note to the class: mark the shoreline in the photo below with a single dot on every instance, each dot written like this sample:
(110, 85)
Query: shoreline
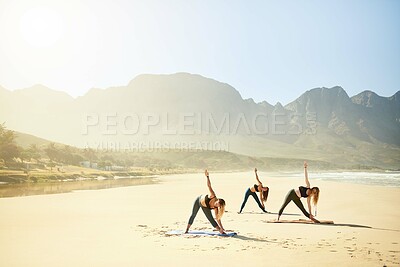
(62, 187)
(101, 182)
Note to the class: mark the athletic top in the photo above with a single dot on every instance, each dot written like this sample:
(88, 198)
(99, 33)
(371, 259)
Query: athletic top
(303, 191)
(208, 200)
(256, 187)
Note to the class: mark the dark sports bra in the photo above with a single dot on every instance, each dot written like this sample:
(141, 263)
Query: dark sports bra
(303, 191)
(208, 200)
(256, 187)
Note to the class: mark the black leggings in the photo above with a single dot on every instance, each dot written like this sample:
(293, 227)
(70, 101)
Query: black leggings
(246, 196)
(207, 212)
(292, 196)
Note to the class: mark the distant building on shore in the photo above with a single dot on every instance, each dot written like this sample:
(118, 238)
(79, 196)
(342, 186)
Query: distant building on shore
(88, 164)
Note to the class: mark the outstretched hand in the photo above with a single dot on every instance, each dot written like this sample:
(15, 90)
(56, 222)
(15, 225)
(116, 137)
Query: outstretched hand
(255, 170)
(305, 164)
(222, 231)
(206, 173)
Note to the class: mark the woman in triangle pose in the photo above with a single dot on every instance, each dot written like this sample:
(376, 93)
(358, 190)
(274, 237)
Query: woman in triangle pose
(251, 191)
(208, 203)
(306, 192)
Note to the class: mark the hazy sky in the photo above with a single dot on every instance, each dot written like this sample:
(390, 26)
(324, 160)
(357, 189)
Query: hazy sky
(267, 50)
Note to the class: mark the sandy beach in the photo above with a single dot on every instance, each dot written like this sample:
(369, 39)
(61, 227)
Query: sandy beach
(126, 226)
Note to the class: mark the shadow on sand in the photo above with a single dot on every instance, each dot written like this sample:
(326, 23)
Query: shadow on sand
(358, 226)
(247, 238)
(289, 214)
(273, 213)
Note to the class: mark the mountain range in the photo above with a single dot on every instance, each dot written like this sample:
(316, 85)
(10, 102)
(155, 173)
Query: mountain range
(190, 111)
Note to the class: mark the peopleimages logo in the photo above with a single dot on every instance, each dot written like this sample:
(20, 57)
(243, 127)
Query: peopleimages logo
(202, 124)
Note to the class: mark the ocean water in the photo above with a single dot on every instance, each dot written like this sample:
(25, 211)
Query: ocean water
(388, 178)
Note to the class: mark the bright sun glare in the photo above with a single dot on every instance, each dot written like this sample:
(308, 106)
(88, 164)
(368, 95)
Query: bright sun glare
(41, 27)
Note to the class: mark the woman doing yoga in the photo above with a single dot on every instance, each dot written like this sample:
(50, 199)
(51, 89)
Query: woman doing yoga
(252, 191)
(208, 203)
(306, 192)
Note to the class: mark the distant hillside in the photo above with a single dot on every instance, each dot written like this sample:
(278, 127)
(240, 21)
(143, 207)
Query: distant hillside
(188, 159)
(186, 110)
(25, 140)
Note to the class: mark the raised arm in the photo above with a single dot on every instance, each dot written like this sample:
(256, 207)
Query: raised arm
(212, 193)
(306, 174)
(258, 180)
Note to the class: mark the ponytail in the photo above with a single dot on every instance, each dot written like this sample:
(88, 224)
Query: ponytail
(264, 195)
(315, 195)
(221, 209)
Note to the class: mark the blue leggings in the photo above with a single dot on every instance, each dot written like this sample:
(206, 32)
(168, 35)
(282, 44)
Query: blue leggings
(207, 212)
(246, 196)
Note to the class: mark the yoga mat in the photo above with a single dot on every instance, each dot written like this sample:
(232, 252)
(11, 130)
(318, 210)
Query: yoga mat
(200, 233)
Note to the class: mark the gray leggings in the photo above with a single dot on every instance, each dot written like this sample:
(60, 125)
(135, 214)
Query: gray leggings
(291, 196)
(207, 212)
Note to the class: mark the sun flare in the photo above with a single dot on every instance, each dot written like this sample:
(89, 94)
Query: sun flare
(41, 27)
